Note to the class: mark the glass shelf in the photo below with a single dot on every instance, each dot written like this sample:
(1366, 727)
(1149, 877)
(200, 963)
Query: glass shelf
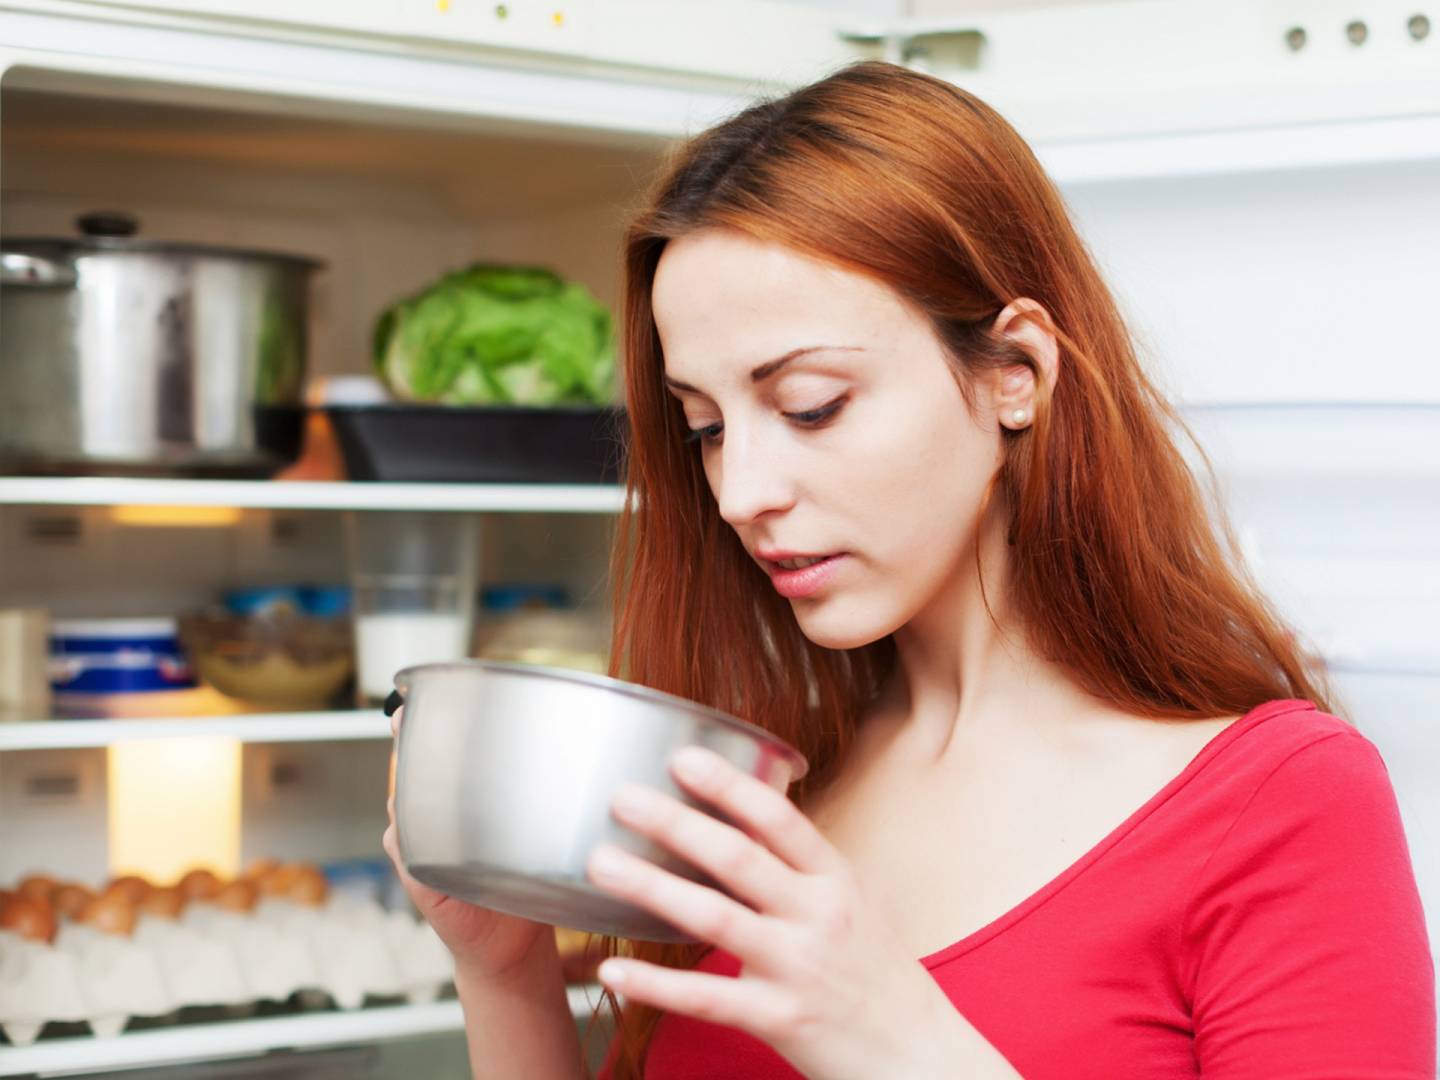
(296, 495)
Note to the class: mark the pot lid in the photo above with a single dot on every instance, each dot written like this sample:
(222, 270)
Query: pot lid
(115, 231)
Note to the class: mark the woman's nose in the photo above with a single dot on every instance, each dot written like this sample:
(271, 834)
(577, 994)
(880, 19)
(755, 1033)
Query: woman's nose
(751, 482)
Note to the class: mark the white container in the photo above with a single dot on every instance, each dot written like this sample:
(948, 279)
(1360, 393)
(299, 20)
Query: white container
(387, 641)
(344, 951)
(413, 582)
(24, 664)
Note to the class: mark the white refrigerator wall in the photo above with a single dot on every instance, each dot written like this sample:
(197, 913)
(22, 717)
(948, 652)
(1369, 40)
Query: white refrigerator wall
(1303, 285)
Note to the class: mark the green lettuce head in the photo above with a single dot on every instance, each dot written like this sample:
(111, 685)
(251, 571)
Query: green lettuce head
(498, 335)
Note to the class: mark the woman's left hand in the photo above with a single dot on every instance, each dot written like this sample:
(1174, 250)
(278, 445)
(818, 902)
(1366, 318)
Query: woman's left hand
(824, 980)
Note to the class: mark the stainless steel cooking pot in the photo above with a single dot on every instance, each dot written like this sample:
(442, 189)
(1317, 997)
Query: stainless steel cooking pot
(505, 775)
(128, 355)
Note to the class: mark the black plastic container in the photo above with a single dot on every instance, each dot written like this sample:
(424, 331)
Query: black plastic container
(481, 444)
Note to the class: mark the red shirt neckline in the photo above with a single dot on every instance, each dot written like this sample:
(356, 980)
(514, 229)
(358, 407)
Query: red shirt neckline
(1250, 720)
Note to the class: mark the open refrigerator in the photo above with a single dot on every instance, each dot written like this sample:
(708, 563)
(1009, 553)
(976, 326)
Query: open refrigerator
(1264, 210)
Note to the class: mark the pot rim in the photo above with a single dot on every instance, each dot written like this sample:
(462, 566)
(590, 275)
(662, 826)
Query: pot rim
(799, 766)
(70, 246)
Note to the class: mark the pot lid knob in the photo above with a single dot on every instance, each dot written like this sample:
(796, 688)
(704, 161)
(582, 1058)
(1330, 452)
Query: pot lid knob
(108, 223)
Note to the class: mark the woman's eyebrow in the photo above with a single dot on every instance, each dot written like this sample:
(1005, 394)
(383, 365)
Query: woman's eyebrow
(771, 367)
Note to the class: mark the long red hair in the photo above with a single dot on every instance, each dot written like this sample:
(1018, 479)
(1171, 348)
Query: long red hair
(1120, 567)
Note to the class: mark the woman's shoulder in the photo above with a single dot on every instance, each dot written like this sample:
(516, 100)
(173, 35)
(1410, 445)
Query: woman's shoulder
(1277, 730)
(1290, 760)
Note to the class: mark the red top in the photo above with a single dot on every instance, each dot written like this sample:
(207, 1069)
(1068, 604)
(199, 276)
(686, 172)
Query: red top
(1258, 917)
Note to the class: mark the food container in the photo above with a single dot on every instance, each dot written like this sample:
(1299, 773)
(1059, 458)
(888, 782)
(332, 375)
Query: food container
(128, 355)
(95, 664)
(535, 624)
(346, 951)
(413, 580)
(506, 772)
(278, 658)
(480, 444)
(24, 664)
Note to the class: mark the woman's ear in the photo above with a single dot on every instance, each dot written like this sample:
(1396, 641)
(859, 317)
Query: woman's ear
(1027, 324)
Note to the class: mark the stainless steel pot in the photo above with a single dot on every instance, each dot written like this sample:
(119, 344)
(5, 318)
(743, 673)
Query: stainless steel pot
(505, 774)
(120, 354)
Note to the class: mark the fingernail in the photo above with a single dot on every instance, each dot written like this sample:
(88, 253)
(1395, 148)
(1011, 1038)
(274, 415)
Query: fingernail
(612, 973)
(694, 763)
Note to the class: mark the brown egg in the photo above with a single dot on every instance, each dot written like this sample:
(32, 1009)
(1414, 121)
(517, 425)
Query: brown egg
(259, 868)
(276, 882)
(110, 913)
(165, 902)
(38, 887)
(71, 899)
(132, 887)
(239, 895)
(308, 886)
(33, 919)
(200, 884)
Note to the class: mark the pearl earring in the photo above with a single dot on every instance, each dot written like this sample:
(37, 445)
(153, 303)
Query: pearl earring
(1019, 416)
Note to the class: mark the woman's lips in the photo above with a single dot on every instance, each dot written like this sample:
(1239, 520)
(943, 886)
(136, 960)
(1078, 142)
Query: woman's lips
(793, 584)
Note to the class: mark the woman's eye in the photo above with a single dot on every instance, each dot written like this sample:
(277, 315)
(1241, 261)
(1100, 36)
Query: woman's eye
(820, 415)
(707, 434)
(810, 418)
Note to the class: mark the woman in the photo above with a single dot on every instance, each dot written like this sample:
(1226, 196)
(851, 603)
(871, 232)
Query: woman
(1064, 754)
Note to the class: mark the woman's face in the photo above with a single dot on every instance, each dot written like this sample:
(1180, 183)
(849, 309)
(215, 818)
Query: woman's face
(861, 449)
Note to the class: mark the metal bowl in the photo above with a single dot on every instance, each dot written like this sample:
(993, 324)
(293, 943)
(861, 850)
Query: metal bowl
(505, 775)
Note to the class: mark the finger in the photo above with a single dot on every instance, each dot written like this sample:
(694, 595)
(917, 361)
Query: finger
(757, 807)
(395, 722)
(387, 841)
(718, 999)
(741, 864)
(424, 896)
(697, 910)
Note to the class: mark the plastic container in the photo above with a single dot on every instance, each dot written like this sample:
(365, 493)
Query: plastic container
(346, 951)
(24, 663)
(480, 444)
(113, 656)
(534, 624)
(413, 594)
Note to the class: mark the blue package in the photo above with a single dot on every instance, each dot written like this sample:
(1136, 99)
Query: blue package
(325, 601)
(501, 598)
(117, 656)
(266, 600)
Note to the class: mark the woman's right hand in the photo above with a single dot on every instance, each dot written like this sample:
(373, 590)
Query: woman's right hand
(486, 944)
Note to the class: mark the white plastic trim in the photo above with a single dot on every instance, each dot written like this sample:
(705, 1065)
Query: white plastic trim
(242, 1038)
(333, 726)
(282, 495)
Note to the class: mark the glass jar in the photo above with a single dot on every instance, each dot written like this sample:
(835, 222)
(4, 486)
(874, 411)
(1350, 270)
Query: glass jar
(534, 624)
(413, 577)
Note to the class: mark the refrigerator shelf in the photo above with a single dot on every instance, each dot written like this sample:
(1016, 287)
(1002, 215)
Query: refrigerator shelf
(244, 1038)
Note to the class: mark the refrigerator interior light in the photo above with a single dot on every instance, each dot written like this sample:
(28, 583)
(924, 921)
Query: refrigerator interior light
(176, 517)
(174, 805)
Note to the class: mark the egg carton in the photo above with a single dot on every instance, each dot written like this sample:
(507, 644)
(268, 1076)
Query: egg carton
(345, 951)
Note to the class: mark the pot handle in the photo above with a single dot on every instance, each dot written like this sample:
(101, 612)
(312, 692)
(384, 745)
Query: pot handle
(34, 272)
(393, 703)
(108, 223)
